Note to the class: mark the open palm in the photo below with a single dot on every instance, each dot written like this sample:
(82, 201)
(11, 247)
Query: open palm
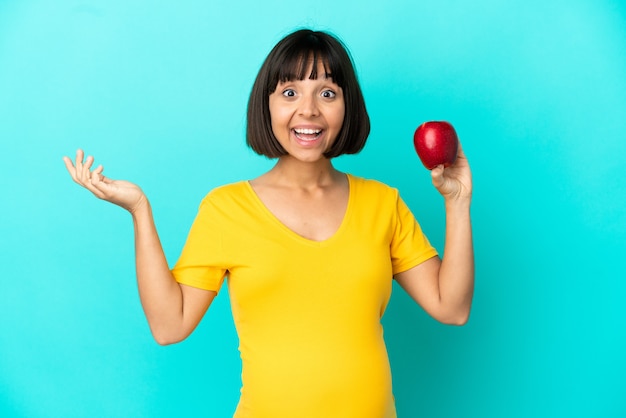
(120, 192)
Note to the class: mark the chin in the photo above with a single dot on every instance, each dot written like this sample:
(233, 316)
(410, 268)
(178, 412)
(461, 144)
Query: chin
(308, 157)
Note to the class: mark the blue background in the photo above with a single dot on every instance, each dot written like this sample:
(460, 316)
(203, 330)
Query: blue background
(157, 92)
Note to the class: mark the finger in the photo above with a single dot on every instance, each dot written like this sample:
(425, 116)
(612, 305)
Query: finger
(460, 152)
(80, 155)
(99, 187)
(106, 180)
(69, 165)
(99, 169)
(68, 161)
(93, 184)
(101, 176)
(437, 176)
(96, 175)
(83, 172)
(437, 171)
(88, 162)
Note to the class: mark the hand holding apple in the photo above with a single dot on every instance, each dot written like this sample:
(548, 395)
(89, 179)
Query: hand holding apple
(440, 151)
(436, 143)
(454, 182)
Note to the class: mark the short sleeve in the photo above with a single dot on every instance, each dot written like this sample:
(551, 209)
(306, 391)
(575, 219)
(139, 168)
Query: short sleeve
(201, 263)
(409, 245)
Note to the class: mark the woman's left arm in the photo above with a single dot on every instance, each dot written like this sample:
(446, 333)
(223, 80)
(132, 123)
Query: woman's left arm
(444, 288)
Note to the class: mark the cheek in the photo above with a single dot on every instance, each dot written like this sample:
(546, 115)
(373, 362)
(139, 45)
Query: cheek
(339, 118)
(278, 121)
(340, 113)
(278, 114)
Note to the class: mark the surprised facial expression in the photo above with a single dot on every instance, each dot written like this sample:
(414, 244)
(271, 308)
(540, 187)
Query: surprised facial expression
(307, 115)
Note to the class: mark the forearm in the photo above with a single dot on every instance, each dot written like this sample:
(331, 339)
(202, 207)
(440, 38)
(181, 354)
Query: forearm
(456, 275)
(160, 294)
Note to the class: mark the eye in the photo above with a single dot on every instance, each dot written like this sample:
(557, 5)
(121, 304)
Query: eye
(289, 93)
(328, 94)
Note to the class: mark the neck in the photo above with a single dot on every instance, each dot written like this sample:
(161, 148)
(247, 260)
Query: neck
(291, 172)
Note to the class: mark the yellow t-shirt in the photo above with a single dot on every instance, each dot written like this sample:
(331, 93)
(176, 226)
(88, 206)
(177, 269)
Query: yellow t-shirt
(307, 313)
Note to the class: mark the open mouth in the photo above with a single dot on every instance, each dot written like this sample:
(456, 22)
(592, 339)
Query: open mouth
(307, 134)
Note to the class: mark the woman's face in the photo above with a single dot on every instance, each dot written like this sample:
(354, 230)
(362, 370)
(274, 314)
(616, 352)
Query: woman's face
(307, 115)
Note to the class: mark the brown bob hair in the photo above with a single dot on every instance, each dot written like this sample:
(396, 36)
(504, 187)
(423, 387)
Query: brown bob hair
(290, 60)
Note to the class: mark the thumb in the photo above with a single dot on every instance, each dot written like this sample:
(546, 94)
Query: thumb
(96, 175)
(437, 176)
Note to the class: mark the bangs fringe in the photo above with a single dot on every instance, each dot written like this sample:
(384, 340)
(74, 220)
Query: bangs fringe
(298, 65)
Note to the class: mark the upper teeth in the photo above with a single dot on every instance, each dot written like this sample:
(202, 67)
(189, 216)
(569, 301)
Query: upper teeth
(308, 131)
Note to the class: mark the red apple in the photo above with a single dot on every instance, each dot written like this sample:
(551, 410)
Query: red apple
(436, 143)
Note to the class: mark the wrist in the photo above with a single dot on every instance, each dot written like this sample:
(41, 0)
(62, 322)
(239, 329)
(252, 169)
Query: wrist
(458, 204)
(141, 208)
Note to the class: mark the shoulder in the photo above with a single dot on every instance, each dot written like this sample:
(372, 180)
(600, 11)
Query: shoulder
(373, 188)
(225, 194)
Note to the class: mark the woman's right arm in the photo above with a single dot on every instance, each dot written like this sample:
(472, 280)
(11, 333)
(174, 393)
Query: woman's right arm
(173, 310)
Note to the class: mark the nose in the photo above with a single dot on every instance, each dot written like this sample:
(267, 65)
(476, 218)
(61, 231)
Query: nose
(308, 106)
